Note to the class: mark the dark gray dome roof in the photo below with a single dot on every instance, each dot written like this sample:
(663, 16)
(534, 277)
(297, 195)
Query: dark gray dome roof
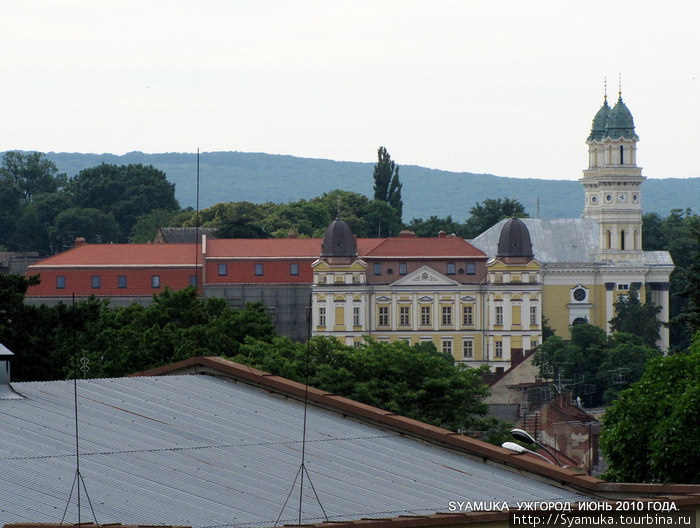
(515, 240)
(338, 240)
(599, 122)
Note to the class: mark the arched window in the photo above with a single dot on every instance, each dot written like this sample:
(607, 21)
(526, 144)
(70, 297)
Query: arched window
(579, 320)
(608, 239)
(622, 150)
(622, 240)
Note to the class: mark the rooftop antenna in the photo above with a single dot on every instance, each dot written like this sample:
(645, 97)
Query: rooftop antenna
(78, 479)
(302, 468)
(196, 230)
(605, 89)
(619, 85)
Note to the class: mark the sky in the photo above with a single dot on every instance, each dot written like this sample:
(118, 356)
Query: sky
(486, 86)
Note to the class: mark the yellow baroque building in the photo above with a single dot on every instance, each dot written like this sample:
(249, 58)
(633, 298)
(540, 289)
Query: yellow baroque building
(587, 263)
(441, 290)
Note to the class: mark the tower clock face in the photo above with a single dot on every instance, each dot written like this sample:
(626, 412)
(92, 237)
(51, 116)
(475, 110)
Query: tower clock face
(579, 294)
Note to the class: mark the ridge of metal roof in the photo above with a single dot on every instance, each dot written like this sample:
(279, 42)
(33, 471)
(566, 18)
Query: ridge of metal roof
(221, 448)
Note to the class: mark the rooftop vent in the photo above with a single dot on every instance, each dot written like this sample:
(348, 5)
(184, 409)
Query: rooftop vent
(6, 390)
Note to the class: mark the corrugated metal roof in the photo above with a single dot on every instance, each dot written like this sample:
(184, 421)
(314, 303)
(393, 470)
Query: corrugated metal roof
(564, 241)
(201, 451)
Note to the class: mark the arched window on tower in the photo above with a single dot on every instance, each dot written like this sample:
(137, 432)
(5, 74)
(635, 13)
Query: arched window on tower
(622, 240)
(608, 239)
(622, 159)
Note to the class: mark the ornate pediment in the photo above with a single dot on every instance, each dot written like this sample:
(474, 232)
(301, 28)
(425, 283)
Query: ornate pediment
(425, 276)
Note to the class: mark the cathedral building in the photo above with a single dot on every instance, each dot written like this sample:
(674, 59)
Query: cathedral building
(587, 263)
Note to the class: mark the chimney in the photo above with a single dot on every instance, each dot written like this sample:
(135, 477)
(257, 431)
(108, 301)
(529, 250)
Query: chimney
(79, 241)
(6, 390)
(406, 233)
(441, 234)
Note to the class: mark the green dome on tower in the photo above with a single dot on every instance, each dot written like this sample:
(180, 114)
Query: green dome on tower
(620, 123)
(599, 122)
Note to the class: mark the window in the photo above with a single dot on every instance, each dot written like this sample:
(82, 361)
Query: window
(356, 316)
(471, 268)
(121, 281)
(258, 269)
(468, 315)
(155, 281)
(623, 287)
(60, 282)
(425, 315)
(322, 316)
(95, 281)
(499, 315)
(450, 268)
(294, 268)
(193, 280)
(447, 346)
(533, 315)
(383, 316)
(223, 270)
(404, 315)
(499, 349)
(447, 316)
(377, 267)
(403, 268)
(468, 348)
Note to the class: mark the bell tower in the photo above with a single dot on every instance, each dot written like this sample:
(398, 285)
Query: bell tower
(612, 182)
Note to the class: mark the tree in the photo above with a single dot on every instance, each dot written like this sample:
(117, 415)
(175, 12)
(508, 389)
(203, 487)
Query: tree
(238, 220)
(91, 224)
(652, 432)
(415, 381)
(633, 317)
(127, 192)
(433, 225)
(31, 174)
(387, 187)
(146, 227)
(593, 366)
(488, 213)
(689, 315)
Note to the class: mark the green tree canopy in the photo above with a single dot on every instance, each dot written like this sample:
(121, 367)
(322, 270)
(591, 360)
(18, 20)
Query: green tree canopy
(31, 174)
(633, 317)
(387, 186)
(415, 381)
(92, 224)
(489, 212)
(594, 366)
(433, 225)
(127, 192)
(652, 432)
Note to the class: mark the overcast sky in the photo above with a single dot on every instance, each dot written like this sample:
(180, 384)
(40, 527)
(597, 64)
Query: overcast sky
(503, 87)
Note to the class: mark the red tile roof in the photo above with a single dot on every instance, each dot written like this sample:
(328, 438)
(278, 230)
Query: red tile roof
(123, 255)
(91, 255)
(264, 247)
(277, 247)
(414, 247)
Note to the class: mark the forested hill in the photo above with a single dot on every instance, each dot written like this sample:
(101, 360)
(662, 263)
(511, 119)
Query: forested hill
(255, 177)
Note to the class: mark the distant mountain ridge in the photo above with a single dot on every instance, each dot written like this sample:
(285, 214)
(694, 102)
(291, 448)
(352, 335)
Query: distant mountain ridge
(258, 177)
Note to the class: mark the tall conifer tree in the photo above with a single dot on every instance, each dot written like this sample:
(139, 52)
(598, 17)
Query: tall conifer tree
(387, 186)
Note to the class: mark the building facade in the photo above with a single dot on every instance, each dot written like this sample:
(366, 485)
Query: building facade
(588, 263)
(440, 290)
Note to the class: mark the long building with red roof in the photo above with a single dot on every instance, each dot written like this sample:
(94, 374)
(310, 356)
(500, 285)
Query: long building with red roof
(438, 289)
